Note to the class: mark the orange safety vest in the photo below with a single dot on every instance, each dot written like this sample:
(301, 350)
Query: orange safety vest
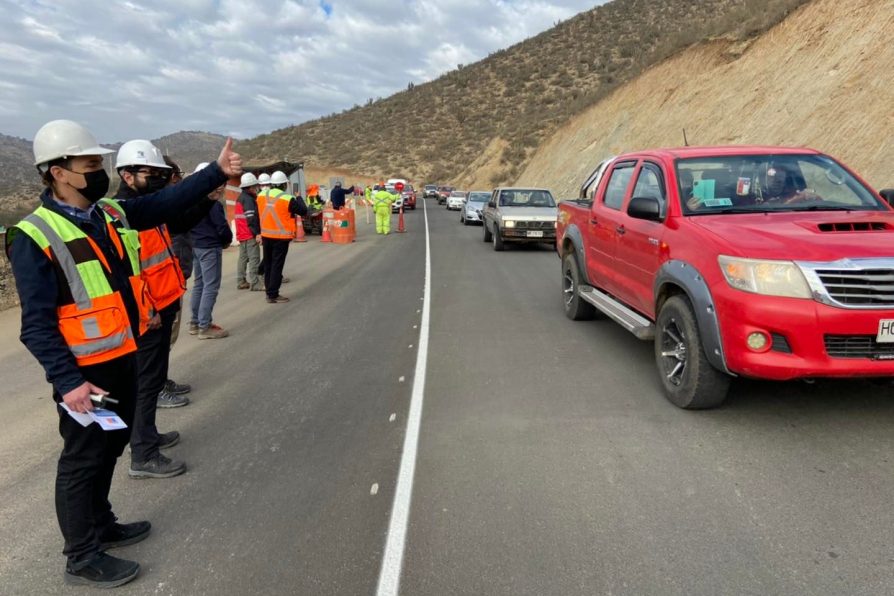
(92, 317)
(276, 221)
(159, 268)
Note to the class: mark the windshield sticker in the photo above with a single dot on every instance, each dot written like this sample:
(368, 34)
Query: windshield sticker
(743, 187)
(717, 203)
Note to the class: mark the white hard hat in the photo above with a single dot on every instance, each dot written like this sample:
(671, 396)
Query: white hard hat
(278, 178)
(248, 179)
(264, 178)
(64, 138)
(140, 153)
(201, 166)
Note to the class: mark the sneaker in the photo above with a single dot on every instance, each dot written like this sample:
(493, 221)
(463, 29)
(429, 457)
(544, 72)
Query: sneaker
(242, 286)
(170, 439)
(178, 388)
(193, 328)
(103, 571)
(279, 298)
(213, 332)
(257, 289)
(157, 467)
(286, 280)
(118, 535)
(166, 399)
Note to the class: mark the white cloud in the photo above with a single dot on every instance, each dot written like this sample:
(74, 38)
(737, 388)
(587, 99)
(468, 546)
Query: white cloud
(132, 69)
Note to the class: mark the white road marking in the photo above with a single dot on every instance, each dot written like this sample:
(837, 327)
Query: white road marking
(392, 418)
(411, 346)
(392, 560)
(401, 380)
(374, 489)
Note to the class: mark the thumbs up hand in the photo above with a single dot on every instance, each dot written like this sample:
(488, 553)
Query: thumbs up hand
(230, 161)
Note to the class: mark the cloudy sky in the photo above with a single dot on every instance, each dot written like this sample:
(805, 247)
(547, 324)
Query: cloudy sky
(146, 68)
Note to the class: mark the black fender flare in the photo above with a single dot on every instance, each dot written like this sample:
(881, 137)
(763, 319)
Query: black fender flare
(573, 233)
(687, 277)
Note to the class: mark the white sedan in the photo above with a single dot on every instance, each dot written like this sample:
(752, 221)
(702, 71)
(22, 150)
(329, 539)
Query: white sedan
(456, 200)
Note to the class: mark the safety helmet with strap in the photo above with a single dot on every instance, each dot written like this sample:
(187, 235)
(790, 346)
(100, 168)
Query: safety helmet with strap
(61, 139)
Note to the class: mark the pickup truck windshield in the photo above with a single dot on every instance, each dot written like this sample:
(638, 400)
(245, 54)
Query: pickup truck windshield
(526, 198)
(762, 183)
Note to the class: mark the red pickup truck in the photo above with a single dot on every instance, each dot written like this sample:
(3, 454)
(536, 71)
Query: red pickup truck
(765, 262)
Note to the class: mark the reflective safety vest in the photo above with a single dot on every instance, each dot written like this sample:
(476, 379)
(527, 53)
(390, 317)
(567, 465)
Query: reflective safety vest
(92, 316)
(382, 199)
(159, 268)
(276, 221)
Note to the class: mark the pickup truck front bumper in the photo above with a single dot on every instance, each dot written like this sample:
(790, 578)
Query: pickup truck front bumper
(528, 235)
(808, 339)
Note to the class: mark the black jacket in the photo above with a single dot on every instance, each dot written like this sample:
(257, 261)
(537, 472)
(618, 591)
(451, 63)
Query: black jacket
(39, 287)
(337, 196)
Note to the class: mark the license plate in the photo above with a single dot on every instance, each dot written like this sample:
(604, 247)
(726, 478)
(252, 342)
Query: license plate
(539, 234)
(885, 331)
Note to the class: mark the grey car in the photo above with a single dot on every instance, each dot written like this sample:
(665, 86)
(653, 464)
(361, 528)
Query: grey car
(522, 215)
(474, 203)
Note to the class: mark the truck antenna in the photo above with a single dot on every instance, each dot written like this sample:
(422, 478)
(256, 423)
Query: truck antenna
(685, 140)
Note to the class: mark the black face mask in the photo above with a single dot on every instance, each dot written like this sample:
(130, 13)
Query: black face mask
(97, 185)
(154, 184)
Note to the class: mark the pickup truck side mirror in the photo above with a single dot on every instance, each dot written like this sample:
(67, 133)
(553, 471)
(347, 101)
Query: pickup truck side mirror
(491, 204)
(645, 208)
(888, 195)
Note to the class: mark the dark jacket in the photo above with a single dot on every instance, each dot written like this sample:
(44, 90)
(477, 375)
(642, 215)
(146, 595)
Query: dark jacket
(213, 231)
(250, 211)
(40, 289)
(337, 196)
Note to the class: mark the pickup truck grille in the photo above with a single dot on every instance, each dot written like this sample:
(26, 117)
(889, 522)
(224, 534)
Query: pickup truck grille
(850, 287)
(858, 346)
(535, 225)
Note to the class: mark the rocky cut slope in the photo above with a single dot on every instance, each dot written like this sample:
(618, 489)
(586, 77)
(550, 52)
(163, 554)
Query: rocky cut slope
(821, 78)
(491, 116)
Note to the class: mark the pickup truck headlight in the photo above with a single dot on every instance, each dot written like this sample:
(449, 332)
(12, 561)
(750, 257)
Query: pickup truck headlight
(508, 223)
(771, 278)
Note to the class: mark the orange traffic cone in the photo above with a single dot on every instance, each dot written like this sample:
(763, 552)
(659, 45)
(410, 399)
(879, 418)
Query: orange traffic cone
(326, 237)
(400, 220)
(299, 230)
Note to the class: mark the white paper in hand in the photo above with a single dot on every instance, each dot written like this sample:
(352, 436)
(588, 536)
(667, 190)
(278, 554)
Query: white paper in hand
(82, 419)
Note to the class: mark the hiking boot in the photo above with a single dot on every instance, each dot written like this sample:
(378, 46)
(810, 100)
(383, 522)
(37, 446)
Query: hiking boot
(118, 535)
(103, 571)
(193, 328)
(242, 286)
(157, 467)
(277, 299)
(166, 399)
(170, 439)
(177, 388)
(257, 289)
(213, 332)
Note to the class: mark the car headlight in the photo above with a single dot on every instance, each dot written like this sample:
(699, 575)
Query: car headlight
(508, 223)
(771, 278)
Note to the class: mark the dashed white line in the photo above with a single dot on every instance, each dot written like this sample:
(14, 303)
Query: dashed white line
(374, 489)
(392, 560)
(392, 418)
(401, 380)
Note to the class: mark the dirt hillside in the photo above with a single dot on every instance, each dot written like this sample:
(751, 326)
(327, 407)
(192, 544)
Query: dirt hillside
(821, 79)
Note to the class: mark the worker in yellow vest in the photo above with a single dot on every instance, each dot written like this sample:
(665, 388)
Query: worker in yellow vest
(382, 200)
(277, 210)
(76, 261)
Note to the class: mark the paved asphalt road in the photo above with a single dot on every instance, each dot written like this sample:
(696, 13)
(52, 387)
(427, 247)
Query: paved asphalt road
(548, 460)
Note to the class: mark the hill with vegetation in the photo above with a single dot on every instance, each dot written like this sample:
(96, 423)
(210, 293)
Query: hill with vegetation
(818, 79)
(490, 117)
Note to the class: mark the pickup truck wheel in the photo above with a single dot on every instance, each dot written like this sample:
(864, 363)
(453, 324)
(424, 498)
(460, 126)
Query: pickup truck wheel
(576, 308)
(487, 235)
(498, 240)
(688, 378)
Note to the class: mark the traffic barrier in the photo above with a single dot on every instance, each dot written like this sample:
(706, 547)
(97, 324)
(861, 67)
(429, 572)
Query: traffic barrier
(342, 227)
(400, 220)
(325, 237)
(299, 230)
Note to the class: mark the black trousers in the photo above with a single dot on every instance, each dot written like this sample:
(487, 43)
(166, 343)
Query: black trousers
(87, 463)
(153, 350)
(275, 252)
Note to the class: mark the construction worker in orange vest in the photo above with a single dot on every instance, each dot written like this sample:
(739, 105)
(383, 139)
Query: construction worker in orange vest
(143, 172)
(277, 210)
(76, 263)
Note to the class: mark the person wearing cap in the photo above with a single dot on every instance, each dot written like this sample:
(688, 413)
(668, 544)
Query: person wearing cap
(337, 195)
(277, 210)
(248, 234)
(209, 237)
(76, 264)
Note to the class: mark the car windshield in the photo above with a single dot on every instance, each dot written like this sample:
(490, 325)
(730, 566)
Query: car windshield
(458, 193)
(445, 188)
(526, 198)
(479, 197)
(431, 187)
(762, 183)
